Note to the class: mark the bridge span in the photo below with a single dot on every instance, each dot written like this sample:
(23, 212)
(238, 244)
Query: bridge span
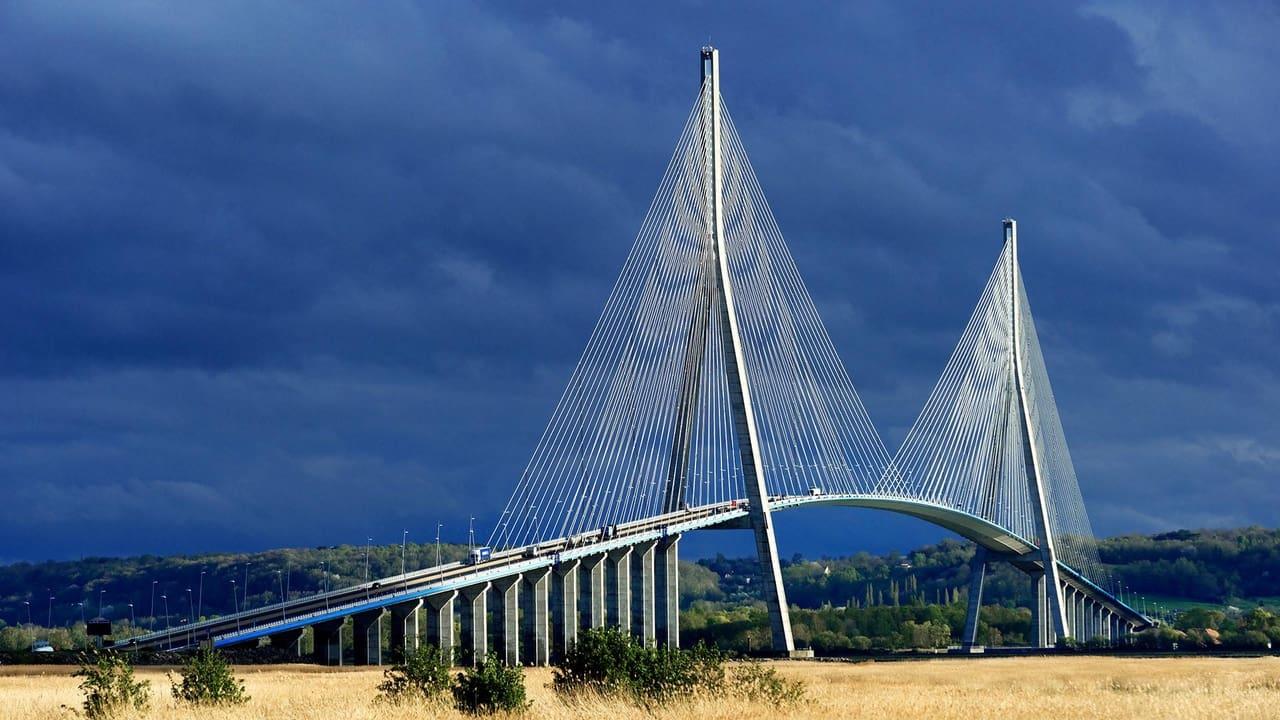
(528, 604)
(710, 395)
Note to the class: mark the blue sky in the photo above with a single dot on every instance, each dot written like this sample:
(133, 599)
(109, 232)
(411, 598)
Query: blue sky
(301, 273)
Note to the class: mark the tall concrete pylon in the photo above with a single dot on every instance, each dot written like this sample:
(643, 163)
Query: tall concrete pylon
(715, 304)
(1052, 621)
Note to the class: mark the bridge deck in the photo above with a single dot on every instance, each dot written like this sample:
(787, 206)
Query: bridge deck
(272, 619)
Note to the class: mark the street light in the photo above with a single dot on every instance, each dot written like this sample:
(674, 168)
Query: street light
(168, 636)
(283, 600)
(367, 543)
(190, 617)
(153, 605)
(132, 623)
(235, 603)
(246, 585)
(438, 527)
(404, 542)
(82, 622)
(28, 604)
(324, 578)
(100, 594)
(200, 600)
(50, 607)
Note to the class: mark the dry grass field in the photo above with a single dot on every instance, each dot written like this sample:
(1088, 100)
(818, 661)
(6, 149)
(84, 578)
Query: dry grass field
(1077, 688)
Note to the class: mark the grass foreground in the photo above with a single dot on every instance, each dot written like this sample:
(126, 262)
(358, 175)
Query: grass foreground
(969, 689)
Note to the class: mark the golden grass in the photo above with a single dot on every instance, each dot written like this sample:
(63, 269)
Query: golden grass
(1071, 688)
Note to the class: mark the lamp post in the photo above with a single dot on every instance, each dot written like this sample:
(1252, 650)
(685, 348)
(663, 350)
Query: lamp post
(367, 544)
(324, 589)
(246, 585)
(50, 621)
(200, 597)
(283, 600)
(132, 623)
(168, 638)
(82, 622)
(100, 594)
(153, 605)
(404, 542)
(28, 604)
(190, 616)
(235, 603)
(438, 528)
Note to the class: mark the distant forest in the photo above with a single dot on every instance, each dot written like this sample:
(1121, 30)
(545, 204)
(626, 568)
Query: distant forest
(913, 599)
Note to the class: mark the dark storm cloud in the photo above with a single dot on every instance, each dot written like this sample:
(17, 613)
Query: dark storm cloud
(305, 272)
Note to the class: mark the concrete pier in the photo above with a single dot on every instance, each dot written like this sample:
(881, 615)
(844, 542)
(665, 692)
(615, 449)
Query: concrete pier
(439, 611)
(328, 641)
(535, 628)
(506, 618)
(592, 606)
(404, 627)
(289, 640)
(474, 622)
(666, 562)
(367, 637)
(618, 581)
(564, 607)
(643, 622)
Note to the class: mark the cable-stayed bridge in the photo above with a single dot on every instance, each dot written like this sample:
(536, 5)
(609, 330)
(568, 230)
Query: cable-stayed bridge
(710, 396)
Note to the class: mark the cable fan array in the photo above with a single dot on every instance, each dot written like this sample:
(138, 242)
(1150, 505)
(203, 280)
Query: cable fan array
(967, 449)
(656, 360)
(645, 425)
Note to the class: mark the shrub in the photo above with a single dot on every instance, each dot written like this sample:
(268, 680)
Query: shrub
(662, 675)
(611, 662)
(207, 680)
(600, 660)
(109, 686)
(490, 687)
(423, 674)
(759, 683)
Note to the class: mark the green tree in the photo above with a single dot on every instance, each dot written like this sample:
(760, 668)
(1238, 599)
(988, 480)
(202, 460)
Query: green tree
(109, 686)
(490, 687)
(423, 674)
(206, 679)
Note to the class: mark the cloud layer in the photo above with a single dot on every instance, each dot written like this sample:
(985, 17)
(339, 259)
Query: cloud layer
(309, 272)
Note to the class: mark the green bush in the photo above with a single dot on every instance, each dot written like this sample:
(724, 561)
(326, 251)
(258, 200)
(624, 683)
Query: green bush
(109, 686)
(490, 687)
(423, 674)
(759, 683)
(611, 662)
(600, 661)
(207, 680)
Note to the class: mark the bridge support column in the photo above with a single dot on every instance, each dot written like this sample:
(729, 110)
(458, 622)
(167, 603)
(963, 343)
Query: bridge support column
(1069, 608)
(1041, 631)
(1082, 617)
(366, 638)
(475, 623)
(977, 576)
(506, 618)
(404, 628)
(327, 649)
(536, 621)
(667, 591)
(591, 602)
(618, 572)
(440, 623)
(289, 641)
(643, 622)
(564, 608)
